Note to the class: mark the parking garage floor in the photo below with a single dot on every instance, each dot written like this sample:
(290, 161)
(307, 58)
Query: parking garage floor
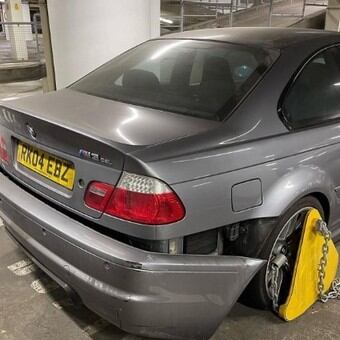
(32, 307)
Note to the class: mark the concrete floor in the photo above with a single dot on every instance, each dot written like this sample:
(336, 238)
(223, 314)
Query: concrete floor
(32, 307)
(11, 91)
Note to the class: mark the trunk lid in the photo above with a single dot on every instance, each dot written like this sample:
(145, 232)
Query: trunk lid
(89, 136)
(115, 122)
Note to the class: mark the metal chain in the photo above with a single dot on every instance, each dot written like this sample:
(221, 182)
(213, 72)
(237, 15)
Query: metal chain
(334, 292)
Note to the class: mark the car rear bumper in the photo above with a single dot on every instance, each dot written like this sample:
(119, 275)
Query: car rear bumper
(150, 294)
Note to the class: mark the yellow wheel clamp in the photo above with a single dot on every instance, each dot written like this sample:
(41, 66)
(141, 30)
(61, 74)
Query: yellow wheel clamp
(307, 285)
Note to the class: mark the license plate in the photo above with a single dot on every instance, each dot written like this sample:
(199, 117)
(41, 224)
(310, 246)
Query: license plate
(47, 165)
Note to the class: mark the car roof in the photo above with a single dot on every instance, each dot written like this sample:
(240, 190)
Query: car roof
(269, 37)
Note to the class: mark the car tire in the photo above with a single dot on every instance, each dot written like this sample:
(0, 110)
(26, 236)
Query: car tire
(256, 294)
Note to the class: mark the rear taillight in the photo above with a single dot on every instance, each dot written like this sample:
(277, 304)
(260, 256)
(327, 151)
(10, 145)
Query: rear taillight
(141, 199)
(3, 151)
(98, 195)
(145, 200)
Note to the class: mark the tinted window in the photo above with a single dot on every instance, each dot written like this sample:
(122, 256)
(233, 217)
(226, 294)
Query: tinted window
(315, 96)
(202, 79)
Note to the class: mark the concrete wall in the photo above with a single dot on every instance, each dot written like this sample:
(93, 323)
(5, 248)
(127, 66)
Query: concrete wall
(87, 33)
(314, 20)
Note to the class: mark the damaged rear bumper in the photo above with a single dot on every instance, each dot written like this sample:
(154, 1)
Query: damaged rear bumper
(149, 294)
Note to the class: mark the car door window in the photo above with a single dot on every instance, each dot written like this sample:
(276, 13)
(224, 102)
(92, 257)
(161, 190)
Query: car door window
(314, 97)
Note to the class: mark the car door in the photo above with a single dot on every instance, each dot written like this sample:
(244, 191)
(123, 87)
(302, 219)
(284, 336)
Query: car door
(310, 108)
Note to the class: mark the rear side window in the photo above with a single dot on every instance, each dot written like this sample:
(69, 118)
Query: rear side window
(314, 97)
(197, 78)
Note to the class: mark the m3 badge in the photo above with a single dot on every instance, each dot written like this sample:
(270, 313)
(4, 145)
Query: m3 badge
(94, 156)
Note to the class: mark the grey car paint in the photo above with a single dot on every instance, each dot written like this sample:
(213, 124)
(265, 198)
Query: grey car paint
(203, 161)
(135, 290)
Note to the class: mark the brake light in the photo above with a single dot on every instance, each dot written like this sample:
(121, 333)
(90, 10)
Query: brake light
(97, 195)
(4, 157)
(140, 199)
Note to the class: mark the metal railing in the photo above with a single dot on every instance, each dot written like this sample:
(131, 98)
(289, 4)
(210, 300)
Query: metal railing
(183, 15)
(195, 12)
(216, 8)
(20, 42)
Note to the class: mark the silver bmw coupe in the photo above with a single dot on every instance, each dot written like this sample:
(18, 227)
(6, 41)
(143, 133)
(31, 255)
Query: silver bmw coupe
(161, 187)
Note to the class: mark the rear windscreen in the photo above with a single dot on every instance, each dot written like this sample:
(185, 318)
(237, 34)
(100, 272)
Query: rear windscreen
(198, 78)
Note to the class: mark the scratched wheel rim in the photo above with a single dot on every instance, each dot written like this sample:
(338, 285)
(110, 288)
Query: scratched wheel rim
(287, 243)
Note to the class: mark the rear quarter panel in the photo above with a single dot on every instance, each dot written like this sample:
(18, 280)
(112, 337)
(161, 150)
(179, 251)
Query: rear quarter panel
(284, 180)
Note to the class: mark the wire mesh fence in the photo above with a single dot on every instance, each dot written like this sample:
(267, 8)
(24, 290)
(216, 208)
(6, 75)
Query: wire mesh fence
(20, 41)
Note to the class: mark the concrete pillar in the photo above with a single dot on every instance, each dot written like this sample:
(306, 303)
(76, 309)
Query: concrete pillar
(17, 36)
(87, 33)
(4, 19)
(49, 83)
(27, 18)
(333, 16)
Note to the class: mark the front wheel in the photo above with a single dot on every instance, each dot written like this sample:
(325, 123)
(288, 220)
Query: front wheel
(284, 240)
